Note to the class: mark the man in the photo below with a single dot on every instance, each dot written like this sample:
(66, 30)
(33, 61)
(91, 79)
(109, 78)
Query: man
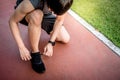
(37, 15)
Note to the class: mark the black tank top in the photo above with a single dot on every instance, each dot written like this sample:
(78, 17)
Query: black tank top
(37, 4)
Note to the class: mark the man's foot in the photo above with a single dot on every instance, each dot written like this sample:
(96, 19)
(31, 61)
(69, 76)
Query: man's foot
(37, 63)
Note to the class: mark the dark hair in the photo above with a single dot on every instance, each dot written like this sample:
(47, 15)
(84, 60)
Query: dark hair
(59, 7)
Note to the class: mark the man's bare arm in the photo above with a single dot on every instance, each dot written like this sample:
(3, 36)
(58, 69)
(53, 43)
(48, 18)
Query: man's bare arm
(57, 26)
(48, 50)
(24, 8)
(20, 12)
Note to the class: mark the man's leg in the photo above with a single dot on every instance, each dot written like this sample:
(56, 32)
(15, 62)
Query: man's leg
(34, 20)
(63, 36)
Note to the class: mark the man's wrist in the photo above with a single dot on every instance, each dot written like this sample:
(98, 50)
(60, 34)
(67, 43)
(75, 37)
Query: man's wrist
(51, 42)
(21, 45)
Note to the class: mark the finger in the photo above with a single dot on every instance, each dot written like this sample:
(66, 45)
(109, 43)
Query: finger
(52, 53)
(48, 54)
(28, 57)
(44, 51)
(25, 58)
(22, 57)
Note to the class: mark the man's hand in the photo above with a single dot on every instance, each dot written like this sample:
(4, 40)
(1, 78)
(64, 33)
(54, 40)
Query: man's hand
(48, 50)
(24, 54)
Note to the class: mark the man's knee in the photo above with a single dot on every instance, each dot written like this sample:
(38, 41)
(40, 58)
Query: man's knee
(35, 17)
(63, 35)
(66, 39)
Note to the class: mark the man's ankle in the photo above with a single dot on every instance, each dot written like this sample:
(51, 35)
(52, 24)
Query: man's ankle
(32, 52)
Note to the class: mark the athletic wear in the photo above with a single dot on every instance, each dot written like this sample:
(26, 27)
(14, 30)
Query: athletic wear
(37, 63)
(48, 18)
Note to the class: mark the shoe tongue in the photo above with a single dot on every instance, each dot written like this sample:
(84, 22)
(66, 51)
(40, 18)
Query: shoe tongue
(35, 54)
(36, 57)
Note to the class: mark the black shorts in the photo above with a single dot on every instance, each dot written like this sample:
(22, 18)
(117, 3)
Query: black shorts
(48, 19)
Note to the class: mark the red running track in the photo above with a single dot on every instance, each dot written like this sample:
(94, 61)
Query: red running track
(83, 58)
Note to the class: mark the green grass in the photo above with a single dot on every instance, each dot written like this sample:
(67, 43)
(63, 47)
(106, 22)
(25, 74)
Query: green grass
(104, 15)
